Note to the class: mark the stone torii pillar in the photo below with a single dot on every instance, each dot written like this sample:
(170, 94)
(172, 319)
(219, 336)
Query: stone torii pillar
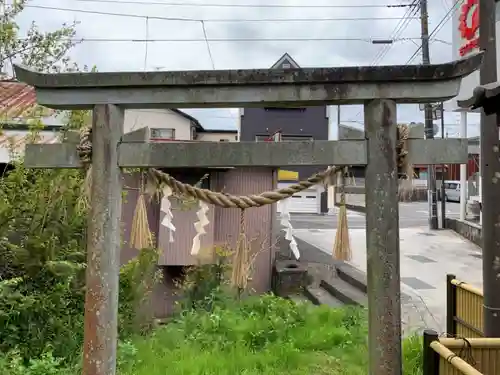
(378, 88)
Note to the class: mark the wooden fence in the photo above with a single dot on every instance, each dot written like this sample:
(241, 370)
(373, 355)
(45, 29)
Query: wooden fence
(464, 309)
(460, 356)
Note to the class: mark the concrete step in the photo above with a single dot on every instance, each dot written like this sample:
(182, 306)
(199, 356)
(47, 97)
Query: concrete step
(320, 296)
(344, 292)
(352, 276)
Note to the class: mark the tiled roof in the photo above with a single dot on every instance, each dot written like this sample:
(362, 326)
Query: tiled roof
(17, 100)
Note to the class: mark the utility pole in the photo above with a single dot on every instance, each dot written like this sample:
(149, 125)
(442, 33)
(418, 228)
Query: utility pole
(429, 126)
(341, 180)
(443, 166)
(490, 167)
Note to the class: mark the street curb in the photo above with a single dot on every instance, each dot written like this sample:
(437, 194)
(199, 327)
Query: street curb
(353, 207)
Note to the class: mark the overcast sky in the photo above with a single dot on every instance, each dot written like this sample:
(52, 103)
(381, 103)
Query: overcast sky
(113, 56)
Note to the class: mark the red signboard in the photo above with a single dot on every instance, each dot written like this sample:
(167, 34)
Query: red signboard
(469, 26)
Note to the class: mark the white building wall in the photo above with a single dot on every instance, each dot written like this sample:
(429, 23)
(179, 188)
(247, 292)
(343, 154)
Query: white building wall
(158, 118)
(13, 142)
(216, 137)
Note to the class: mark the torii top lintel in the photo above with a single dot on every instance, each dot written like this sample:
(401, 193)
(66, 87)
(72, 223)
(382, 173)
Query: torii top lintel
(253, 87)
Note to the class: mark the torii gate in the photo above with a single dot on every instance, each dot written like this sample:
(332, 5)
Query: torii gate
(378, 88)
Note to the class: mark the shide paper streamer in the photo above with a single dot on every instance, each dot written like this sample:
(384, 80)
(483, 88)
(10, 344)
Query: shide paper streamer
(287, 227)
(199, 226)
(166, 207)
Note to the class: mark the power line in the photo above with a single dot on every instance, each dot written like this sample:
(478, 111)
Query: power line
(138, 40)
(207, 42)
(438, 27)
(396, 33)
(398, 30)
(220, 20)
(222, 5)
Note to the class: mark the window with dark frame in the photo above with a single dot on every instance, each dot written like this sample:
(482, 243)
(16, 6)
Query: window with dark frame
(286, 138)
(161, 133)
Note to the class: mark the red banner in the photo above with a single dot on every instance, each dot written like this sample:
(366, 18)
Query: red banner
(469, 26)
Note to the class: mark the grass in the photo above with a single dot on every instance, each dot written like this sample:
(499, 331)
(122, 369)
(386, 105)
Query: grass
(265, 335)
(261, 335)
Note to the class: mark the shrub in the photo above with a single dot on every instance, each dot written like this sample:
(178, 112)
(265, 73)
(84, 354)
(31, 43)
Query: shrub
(43, 262)
(206, 285)
(137, 279)
(42, 251)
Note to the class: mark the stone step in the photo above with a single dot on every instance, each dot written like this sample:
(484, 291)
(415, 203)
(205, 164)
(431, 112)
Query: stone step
(320, 296)
(344, 292)
(352, 276)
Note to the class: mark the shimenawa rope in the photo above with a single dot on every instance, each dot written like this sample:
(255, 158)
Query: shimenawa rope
(235, 201)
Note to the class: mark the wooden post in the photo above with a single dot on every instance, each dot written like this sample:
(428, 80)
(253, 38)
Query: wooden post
(451, 306)
(103, 239)
(382, 239)
(430, 357)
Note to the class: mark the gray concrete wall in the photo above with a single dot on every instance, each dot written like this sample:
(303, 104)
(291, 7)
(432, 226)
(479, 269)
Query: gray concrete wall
(466, 229)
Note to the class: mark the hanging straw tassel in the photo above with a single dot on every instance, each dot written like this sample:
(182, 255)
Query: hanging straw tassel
(342, 247)
(239, 275)
(83, 201)
(140, 235)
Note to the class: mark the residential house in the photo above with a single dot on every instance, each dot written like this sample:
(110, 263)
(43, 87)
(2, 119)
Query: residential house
(174, 124)
(18, 107)
(295, 124)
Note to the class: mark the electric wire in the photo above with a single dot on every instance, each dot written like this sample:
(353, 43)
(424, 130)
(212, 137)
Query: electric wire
(396, 33)
(214, 40)
(228, 5)
(398, 30)
(221, 20)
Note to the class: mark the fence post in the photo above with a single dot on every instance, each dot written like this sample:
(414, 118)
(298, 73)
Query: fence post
(451, 305)
(430, 357)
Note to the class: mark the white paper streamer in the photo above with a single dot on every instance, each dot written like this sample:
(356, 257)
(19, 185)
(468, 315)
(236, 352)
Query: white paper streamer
(166, 207)
(288, 229)
(199, 226)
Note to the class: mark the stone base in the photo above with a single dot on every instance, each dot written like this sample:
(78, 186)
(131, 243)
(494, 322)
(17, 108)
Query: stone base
(289, 277)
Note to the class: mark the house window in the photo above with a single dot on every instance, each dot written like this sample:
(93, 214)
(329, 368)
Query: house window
(286, 66)
(159, 133)
(285, 138)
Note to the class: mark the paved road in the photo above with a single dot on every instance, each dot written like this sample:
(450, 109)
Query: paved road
(412, 214)
(426, 257)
